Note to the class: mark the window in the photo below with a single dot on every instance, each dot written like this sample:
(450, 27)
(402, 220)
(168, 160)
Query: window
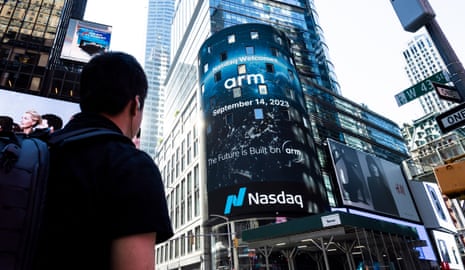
(258, 113)
(196, 142)
(183, 245)
(189, 196)
(237, 92)
(196, 191)
(223, 56)
(274, 51)
(183, 201)
(290, 93)
(197, 238)
(291, 74)
(241, 69)
(228, 119)
(254, 35)
(262, 89)
(218, 76)
(249, 50)
(189, 147)
(190, 241)
(212, 102)
(286, 115)
(231, 38)
(205, 68)
(269, 67)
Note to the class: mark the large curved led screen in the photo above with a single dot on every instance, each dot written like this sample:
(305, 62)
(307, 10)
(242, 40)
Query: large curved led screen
(260, 153)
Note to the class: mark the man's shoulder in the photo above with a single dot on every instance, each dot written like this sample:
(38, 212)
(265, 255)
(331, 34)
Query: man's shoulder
(88, 135)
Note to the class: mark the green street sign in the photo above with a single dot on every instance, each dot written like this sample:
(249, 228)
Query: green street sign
(420, 88)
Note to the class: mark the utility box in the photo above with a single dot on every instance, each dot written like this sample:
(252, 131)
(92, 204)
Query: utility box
(451, 179)
(413, 14)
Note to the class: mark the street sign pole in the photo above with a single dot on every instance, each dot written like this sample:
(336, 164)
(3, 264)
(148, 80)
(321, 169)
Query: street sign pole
(451, 119)
(455, 67)
(413, 14)
(421, 88)
(447, 92)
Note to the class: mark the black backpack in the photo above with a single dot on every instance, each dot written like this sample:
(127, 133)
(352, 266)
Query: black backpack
(24, 166)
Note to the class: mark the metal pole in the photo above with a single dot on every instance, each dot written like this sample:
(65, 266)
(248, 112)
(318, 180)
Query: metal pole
(229, 238)
(453, 64)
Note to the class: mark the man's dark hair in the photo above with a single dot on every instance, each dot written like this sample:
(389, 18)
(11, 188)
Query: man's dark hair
(109, 81)
(53, 121)
(6, 123)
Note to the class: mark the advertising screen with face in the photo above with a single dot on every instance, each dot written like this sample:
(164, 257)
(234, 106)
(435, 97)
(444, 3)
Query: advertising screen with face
(447, 249)
(371, 183)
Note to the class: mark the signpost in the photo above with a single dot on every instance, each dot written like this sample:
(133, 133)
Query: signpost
(447, 92)
(451, 119)
(420, 88)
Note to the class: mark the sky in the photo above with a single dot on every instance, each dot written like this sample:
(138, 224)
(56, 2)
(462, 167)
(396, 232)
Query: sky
(365, 40)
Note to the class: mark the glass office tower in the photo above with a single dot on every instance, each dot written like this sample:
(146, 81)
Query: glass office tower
(32, 34)
(157, 56)
(203, 240)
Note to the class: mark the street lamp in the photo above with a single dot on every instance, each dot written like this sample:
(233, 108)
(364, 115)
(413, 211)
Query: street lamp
(228, 225)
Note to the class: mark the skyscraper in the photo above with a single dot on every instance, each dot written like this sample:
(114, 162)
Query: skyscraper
(182, 155)
(422, 61)
(32, 34)
(157, 58)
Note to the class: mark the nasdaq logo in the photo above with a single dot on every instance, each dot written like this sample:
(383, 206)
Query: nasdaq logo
(235, 200)
(259, 199)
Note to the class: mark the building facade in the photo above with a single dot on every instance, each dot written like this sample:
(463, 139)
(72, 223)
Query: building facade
(429, 147)
(32, 34)
(157, 58)
(422, 60)
(213, 241)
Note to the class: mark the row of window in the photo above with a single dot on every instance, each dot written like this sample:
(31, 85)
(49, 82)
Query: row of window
(184, 244)
(184, 199)
(185, 153)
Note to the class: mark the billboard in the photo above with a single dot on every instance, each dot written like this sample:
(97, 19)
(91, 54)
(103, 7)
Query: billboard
(14, 104)
(371, 183)
(431, 205)
(260, 153)
(84, 39)
(447, 249)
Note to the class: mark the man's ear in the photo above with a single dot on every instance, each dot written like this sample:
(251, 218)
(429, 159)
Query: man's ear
(135, 105)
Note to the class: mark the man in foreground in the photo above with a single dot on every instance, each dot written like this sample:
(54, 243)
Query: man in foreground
(105, 205)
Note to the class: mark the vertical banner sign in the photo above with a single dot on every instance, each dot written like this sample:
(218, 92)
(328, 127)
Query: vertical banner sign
(260, 153)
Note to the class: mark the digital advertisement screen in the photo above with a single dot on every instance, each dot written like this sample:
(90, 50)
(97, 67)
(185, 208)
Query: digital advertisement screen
(15, 104)
(431, 205)
(371, 183)
(261, 158)
(84, 39)
(447, 249)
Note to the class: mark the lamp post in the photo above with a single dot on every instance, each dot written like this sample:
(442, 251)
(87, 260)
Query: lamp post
(228, 225)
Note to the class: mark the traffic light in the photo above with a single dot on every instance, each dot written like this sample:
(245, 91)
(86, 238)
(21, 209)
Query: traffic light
(236, 242)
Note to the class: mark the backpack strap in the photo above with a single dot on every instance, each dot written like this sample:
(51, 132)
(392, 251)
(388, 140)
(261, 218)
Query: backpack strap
(84, 133)
(9, 154)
